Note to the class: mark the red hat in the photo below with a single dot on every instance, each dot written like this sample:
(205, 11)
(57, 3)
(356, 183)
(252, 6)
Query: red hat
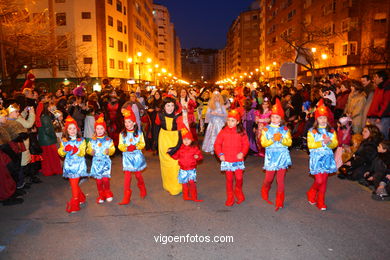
(128, 113)
(234, 113)
(100, 121)
(70, 120)
(186, 134)
(277, 109)
(321, 109)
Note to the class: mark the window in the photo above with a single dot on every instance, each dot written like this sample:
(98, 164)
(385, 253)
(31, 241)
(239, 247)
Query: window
(87, 60)
(61, 19)
(63, 64)
(62, 42)
(125, 47)
(345, 25)
(125, 29)
(380, 18)
(254, 17)
(291, 14)
(112, 64)
(110, 21)
(110, 42)
(349, 48)
(109, 1)
(59, 1)
(138, 8)
(119, 25)
(120, 64)
(138, 23)
(120, 46)
(85, 15)
(380, 43)
(87, 38)
(119, 6)
(329, 29)
(353, 48)
(124, 10)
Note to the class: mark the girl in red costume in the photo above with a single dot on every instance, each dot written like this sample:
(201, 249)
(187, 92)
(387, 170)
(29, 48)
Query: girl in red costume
(188, 156)
(231, 146)
(276, 139)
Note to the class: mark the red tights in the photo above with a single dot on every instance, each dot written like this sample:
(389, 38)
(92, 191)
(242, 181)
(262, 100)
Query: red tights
(269, 178)
(320, 182)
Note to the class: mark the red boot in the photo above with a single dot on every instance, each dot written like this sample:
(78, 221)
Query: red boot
(141, 185)
(230, 199)
(185, 192)
(264, 193)
(194, 192)
(239, 195)
(311, 196)
(82, 197)
(109, 195)
(101, 198)
(106, 188)
(73, 205)
(321, 201)
(229, 189)
(126, 198)
(279, 200)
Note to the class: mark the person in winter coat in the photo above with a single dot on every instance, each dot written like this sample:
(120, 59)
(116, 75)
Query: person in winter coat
(362, 159)
(379, 112)
(355, 105)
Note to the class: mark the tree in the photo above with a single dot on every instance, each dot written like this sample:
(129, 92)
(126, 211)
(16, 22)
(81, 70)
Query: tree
(28, 41)
(308, 36)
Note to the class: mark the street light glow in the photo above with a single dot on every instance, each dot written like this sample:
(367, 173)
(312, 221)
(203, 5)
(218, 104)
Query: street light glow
(149, 60)
(139, 54)
(324, 56)
(129, 60)
(313, 50)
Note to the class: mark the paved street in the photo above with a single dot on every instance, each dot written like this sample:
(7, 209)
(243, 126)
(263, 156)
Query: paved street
(354, 227)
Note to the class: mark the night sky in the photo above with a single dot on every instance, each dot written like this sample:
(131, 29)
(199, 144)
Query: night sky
(204, 23)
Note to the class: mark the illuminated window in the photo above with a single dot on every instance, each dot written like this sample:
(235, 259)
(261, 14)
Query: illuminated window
(119, 26)
(110, 42)
(120, 64)
(63, 64)
(87, 38)
(120, 46)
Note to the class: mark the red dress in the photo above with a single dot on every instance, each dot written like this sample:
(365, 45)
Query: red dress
(231, 143)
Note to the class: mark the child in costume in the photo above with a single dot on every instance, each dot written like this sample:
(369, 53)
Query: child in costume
(321, 139)
(188, 155)
(276, 139)
(72, 147)
(131, 142)
(101, 147)
(231, 146)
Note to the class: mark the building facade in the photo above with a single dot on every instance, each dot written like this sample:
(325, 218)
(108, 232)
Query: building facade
(199, 64)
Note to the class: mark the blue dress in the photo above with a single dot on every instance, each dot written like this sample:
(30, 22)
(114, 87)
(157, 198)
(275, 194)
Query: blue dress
(101, 162)
(277, 155)
(321, 155)
(132, 161)
(74, 164)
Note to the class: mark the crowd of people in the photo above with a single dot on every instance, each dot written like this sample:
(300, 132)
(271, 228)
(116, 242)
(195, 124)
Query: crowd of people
(342, 123)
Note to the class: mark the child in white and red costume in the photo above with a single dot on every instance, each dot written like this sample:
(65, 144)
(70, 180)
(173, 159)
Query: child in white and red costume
(321, 139)
(101, 147)
(131, 143)
(72, 147)
(188, 156)
(231, 146)
(276, 139)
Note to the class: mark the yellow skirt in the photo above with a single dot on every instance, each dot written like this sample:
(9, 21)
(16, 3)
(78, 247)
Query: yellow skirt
(169, 167)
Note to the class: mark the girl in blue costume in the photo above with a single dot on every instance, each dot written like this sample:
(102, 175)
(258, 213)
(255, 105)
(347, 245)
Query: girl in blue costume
(131, 142)
(321, 139)
(72, 147)
(101, 147)
(276, 139)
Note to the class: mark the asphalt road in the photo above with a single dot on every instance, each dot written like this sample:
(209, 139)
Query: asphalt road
(354, 227)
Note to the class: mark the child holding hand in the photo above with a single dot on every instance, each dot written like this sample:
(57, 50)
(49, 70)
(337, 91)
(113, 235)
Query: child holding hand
(131, 142)
(101, 147)
(188, 156)
(276, 139)
(72, 147)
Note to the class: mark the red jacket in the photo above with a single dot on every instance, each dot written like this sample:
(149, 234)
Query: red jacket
(230, 143)
(380, 101)
(186, 157)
